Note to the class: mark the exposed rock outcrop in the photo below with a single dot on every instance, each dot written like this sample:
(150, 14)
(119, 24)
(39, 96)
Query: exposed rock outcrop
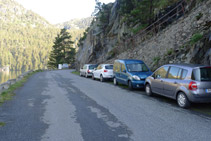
(171, 45)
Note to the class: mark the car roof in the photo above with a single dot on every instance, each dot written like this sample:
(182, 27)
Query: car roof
(106, 64)
(186, 65)
(90, 64)
(129, 60)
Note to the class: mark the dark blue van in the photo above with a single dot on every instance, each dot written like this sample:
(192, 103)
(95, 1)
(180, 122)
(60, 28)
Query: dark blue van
(130, 72)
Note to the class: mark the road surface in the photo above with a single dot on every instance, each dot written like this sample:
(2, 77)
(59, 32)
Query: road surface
(61, 106)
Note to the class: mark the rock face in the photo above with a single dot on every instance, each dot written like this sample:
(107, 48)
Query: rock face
(171, 45)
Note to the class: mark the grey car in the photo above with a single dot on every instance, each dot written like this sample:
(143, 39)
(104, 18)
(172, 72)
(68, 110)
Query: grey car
(87, 70)
(184, 82)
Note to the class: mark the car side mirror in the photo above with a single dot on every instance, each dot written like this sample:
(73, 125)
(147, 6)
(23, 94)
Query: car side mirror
(95, 69)
(124, 71)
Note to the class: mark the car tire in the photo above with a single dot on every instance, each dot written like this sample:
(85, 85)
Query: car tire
(130, 85)
(148, 90)
(93, 77)
(101, 78)
(182, 100)
(86, 75)
(115, 82)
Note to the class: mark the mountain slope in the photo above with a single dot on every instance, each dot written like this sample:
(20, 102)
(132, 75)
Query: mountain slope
(25, 37)
(76, 28)
(76, 23)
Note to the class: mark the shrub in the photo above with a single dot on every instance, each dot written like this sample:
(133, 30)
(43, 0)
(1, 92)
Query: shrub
(195, 38)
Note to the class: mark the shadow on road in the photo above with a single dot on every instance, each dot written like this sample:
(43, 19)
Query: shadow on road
(196, 108)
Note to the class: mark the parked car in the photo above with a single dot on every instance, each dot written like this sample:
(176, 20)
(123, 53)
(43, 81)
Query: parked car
(184, 82)
(87, 70)
(102, 72)
(131, 72)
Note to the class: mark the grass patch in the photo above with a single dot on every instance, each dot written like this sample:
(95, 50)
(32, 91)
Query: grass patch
(2, 124)
(76, 72)
(195, 38)
(9, 93)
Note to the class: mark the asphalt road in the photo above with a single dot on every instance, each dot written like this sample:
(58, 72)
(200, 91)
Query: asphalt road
(60, 106)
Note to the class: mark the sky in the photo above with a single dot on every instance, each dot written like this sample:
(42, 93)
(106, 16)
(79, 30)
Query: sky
(58, 11)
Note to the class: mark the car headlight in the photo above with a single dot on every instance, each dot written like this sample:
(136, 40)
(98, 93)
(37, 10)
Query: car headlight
(136, 77)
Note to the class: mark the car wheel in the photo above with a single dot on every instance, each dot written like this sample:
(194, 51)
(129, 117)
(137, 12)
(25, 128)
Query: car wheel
(148, 90)
(86, 75)
(130, 85)
(115, 82)
(93, 77)
(182, 100)
(101, 78)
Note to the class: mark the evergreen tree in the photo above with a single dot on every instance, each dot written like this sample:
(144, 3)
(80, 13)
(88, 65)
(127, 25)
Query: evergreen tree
(62, 50)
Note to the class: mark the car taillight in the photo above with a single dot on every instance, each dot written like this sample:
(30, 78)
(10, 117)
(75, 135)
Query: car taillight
(88, 71)
(192, 86)
(105, 70)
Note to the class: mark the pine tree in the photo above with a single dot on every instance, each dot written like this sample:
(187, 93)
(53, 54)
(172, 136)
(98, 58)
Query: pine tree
(62, 50)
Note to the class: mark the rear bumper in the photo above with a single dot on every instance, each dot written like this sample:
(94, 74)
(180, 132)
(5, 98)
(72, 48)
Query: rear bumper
(89, 74)
(200, 98)
(108, 76)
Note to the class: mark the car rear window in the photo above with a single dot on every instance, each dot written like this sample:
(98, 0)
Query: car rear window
(109, 67)
(202, 74)
(91, 67)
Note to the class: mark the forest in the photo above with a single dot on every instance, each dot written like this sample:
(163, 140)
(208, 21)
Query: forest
(26, 38)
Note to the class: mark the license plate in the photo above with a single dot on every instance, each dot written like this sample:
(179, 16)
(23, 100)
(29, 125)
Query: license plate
(208, 90)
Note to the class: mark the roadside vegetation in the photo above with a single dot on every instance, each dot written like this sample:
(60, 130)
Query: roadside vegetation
(76, 72)
(2, 124)
(9, 93)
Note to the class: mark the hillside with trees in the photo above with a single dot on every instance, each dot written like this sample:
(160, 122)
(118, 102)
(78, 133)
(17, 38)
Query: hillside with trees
(25, 37)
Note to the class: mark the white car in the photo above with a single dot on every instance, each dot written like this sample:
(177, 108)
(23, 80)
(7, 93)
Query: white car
(87, 70)
(103, 71)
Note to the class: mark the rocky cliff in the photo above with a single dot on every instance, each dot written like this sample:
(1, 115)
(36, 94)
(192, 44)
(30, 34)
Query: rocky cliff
(186, 40)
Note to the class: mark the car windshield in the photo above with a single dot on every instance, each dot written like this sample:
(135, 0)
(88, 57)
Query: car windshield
(137, 67)
(202, 74)
(109, 67)
(91, 67)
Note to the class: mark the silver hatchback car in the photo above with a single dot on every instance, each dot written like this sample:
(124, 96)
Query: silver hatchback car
(184, 82)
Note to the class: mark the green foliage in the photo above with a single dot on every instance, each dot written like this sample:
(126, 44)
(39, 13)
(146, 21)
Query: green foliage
(76, 72)
(170, 51)
(156, 59)
(9, 93)
(2, 124)
(62, 50)
(139, 28)
(195, 38)
(142, 11)
(199, 16)
(25, 38)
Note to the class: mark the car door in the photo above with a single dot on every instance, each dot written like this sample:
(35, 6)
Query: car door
(157, 82)
(84, 70)
(123, 74)
(116, 69)
(172, 80)
(98, 71)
